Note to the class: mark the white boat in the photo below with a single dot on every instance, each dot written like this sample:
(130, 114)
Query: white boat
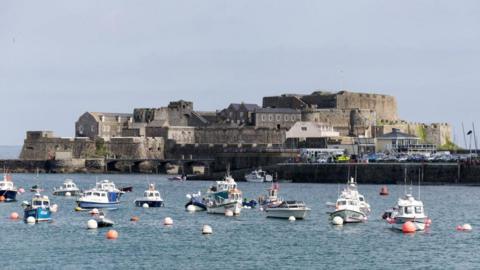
(109, 186)
(8, 189)
(69, 188)
(286, 209)
(271, 197)
(351, 205)
(223, 196)
(95, 198)
(258, 176)
(408, 209)
(151, 197)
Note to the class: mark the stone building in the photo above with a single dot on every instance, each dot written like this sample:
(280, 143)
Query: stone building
(239, 135)
(177, 134)
(103, 125)
(310, 135)
(276, 117)
(238, 113)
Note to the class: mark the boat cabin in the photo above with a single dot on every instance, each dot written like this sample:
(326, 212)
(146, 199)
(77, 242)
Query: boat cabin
(152, 194)
(68, 184)
(342, 203)
(95, 193)
(39, 201)
(106, 185)
(408, 206)
(6, 185)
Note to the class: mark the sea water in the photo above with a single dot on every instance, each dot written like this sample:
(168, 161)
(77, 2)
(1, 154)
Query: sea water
(249, 241)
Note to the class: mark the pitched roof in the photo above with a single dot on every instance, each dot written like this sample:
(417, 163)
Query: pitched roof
(397, 134)
(277, 110)
(248, 106)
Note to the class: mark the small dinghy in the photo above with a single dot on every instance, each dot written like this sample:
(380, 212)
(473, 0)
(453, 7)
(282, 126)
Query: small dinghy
(197, 202)
(384, 191)
(102, 221)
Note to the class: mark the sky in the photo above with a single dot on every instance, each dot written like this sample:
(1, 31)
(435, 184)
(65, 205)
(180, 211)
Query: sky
(59, 59)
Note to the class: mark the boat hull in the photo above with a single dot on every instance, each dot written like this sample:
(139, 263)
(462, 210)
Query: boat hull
(91, 205)
(349, 216)
(64, 192)
(418, 222)
(9, 195)
(235, 207)
(198, 206)
(140, 203)
(286, 213)
(40, 214)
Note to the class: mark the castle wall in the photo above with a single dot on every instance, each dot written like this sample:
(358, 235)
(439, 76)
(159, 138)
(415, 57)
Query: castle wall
(385, 106)
(234, 135)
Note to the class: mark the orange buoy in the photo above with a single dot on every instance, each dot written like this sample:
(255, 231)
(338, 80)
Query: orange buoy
(135, 218)
(14, 215)
(384, 191)
(408, 227)
(112, 235)
(2, 198)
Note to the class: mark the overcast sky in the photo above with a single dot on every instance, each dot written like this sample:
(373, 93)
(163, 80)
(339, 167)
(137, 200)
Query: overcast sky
(59, 59)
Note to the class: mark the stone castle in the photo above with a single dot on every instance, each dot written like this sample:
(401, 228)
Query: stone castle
(156, 133)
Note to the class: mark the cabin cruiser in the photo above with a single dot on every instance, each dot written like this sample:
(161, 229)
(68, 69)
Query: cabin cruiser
(69, 188)
(258, 176)
(151, 197)
(351, 205)
(223, 196)
(197, 201)
(39, 208)
(8, 189)
(95, 198)
(286, 209)
(407, 209)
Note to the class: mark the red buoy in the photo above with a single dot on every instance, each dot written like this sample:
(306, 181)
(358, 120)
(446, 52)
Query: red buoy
(112, 235)
(384, 191)
(408, 227)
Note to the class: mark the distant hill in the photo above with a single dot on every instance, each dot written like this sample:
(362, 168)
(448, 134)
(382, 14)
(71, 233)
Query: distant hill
(10, 151)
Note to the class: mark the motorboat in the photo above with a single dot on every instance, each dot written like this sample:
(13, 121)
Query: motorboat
(36, 189)
(102, 221)
(197, 201)
(351, 206)
(408, 209)
(258, 176)
(39, 208)
(95, 198)
(286, 209)
(8, 189)
(178, 178)
(68, 188)
(249, 203)
(151, 197)
(224, 195)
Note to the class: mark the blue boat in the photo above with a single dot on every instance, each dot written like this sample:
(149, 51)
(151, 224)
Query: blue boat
(95, 198)
(8, 189)
(197, 201)
(39, 208)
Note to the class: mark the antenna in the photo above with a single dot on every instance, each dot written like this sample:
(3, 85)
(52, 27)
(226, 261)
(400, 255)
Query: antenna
(405, 181)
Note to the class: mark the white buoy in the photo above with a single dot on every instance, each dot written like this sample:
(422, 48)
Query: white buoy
(191, 208)
(145, 205)
(54, 208)
(207, 229)
(168, 221)
(229, 213)
(31, 220)
(92, 224)
(337, 221)
(68, 194)
(467, 227)
(292, 218)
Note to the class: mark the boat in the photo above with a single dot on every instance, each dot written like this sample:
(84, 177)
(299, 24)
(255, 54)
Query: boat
(271, 197)
(151, 197)
(258, 176)
(68, 188)
(7, 189)
(178, 178)
(249, 203)
(384, 191)
(286, 209)
(95, 198)
(197, 201)
(39, 208)
(102, 221)
(224, 195)
(36, 189)
(351, 205)
(126, 189)
(408, 209)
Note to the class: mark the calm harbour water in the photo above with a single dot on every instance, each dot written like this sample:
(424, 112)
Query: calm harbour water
(249, 241)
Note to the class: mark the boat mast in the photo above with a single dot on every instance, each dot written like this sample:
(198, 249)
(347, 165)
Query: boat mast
(419, 177)
(405, 181)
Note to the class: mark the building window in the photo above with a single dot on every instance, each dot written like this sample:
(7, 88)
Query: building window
(270, 118)
(241, 114)
(285, 117)
(293, 118)
(264, 118)
(278, 117)
(304, 128)
(80, 129)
